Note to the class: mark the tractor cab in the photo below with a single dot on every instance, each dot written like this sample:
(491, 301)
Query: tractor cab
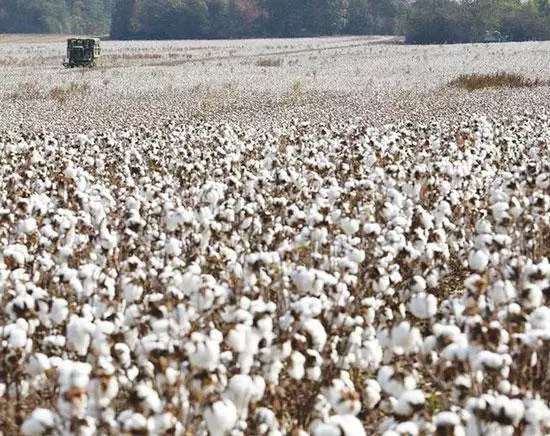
(82, 52)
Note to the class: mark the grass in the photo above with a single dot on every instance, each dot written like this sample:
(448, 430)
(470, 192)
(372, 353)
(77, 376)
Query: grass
(475, 81)
(62, 93)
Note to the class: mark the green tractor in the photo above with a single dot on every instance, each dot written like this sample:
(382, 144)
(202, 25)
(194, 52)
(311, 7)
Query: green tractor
(82, 52)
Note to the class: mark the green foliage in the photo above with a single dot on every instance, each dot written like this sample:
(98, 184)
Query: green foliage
(449, 21)
(422, 21)
(55, 16)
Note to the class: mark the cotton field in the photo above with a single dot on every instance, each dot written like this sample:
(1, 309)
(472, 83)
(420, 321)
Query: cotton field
(209, 273)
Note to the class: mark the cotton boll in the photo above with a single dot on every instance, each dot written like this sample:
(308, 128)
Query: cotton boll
(478, 260)
(349, 226)
(17, 336)
(343, 398)
(449, 423)
(540, 318)
(409, 403)
(531, 297)
(339, 425)
(316, 332)
(371, 393)
(41, 422)
(502, 292)
(59, 310)
(79, 331)
(149, 397)
(37, 364)
(395, 385)
(297, 361)
(27, 226)
(423, 305)
(220, 417)
(405, 339)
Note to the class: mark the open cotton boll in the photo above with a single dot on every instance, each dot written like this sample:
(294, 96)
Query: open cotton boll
(478, 260)
(405, 339)
(371, 393)
(393, 385)
(27, 226)
(41, 422)
(409, 403)
(511, 410)
(37, 364)
(149, 397)
(220, 417)
(339, 425)
(423, 306)
(540, 318)
(316, 332)
(343, 398)
(449, 423)
(350, 226)
(17, 335)
(502, 292)
(297, 361)
(79, 332)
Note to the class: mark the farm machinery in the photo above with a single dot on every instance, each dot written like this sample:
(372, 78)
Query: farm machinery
(82, 52)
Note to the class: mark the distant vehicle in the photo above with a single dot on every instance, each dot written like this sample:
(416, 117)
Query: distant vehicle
(82, 52)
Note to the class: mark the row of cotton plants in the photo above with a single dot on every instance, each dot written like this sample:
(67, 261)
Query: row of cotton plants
(323, 280)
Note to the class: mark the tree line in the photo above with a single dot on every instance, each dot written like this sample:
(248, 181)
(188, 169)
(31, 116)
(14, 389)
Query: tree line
(252, 18)
(55, 16)
(421, 21)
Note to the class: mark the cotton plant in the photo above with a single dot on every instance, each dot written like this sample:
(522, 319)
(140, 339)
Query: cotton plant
(338, 279)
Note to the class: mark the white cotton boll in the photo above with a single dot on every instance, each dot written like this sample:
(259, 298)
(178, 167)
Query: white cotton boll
(478, 260)
(317, 333)
(297, 370)
(343, 398)
(132, 422)
(27, 226)
(370, 355)
(356, 255)
(132, 292)
(17, 336)
(372, 229)
(418, 284)
(393, 385)
(236, 338)
(37, 364)
(371, 393)
(502, 292)
(540, 318)
(59, 310)
(79, 331)
(409, 403)
(220, 417)
(531, 297)
(161, 424)
(512, 409)
(41, 422)
(242, 389)
(423, 305)
(405, 339)
(206, 354)
(537, 415)
(350, 226)
(17, 252)
(173, 247)
(303, 279)
(340, 425)
(150, 397)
